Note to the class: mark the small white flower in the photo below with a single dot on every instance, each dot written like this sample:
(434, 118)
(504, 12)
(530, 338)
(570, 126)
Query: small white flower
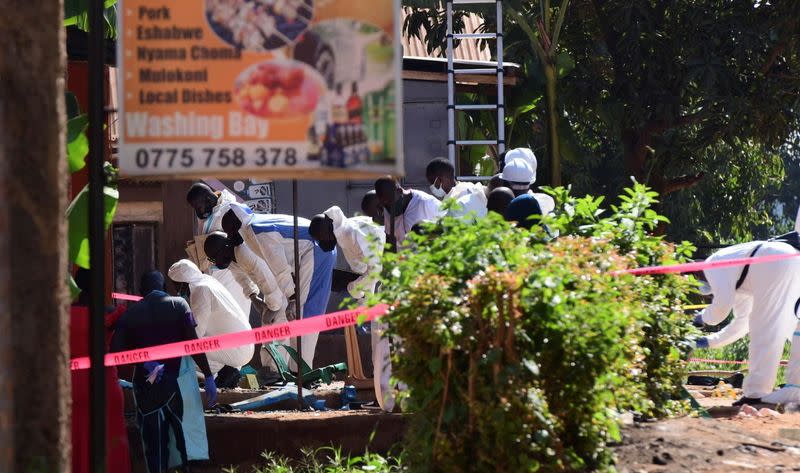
(396, 272)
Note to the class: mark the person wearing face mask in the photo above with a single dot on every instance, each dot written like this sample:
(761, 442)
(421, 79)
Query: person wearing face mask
(403, 208)
(271, 238)
(216, 313)
(470, 197)
(519, 174)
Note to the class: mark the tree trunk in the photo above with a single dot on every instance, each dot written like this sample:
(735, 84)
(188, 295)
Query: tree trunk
(553, 147)
(33, 300)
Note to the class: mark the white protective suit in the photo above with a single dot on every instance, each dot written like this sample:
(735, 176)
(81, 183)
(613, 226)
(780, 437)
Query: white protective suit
(214, 224)
(254, 276)
(762, 305)
(216, 313)
(270, 237)
(362, 242)
(472, 199)
(790, 392)
(423, 207)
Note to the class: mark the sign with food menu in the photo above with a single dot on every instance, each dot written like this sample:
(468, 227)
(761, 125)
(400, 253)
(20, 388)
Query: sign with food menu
(249, 88)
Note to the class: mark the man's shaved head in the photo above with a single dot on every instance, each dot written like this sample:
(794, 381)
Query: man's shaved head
(202, 199)
(499, 199)
(218, 249)
(321, 229)
(386, 190)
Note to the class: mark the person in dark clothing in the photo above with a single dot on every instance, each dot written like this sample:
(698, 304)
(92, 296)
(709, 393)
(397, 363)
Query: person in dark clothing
(155, 320)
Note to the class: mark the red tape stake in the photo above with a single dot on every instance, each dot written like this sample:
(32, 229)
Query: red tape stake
(319, 323)
(702, 265)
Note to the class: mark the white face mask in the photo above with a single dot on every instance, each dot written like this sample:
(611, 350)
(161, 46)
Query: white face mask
(438, 192)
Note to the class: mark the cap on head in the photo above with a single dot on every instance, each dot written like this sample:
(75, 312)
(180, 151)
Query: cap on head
(151, 281)
(521, 209)
(518, 173)
(525, 154)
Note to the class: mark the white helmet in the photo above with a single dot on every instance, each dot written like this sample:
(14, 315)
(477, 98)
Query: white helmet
(518, 173)
(525, 154)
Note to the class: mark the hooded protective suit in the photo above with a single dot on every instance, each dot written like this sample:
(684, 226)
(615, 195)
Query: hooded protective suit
(214, 224)
(422, 208)
(473, 201)
(763, 304)
(216, 313)
(254, 276)
(361, 242)
(271, 237)
(790, 392)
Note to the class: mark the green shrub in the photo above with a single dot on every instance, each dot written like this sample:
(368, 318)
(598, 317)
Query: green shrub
(325, 460)
(520, 352)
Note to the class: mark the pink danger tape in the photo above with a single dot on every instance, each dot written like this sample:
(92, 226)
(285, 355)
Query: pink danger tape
(319, 323)
(702, 265)
(125, 297)
(727, 362)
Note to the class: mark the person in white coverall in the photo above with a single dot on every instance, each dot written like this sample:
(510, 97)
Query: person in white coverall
(216, 313)
(470, 197)
(271, 237)
(209, 208)
(519, 174)
(762, 297)
(404, 208)
(361, 242)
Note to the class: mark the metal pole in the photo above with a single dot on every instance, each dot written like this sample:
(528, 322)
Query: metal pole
(451, 111)
(501, 102)
(297, 297)
(97, 395)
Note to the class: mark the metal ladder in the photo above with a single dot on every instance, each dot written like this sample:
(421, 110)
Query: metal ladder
(452, 107)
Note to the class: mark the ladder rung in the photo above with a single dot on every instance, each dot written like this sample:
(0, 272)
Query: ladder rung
(475, 35)
(467, 2)
(476, 142)
(477, 107)
(476, 71)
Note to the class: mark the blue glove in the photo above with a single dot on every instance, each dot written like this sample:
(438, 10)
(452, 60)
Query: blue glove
(154, 371)
(698, 320)
(211, 391)
(701, 342)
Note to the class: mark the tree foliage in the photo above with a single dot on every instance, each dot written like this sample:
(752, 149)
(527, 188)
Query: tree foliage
(696, 99)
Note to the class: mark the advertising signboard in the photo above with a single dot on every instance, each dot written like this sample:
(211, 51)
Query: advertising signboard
(259, 88)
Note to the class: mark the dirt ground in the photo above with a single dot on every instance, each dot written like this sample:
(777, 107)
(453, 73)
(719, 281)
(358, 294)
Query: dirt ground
(727, 443)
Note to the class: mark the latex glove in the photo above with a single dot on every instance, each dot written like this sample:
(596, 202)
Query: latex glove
(211, 391)
(154, 371)
(698, 320)
(701, 342)
(268, 317)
